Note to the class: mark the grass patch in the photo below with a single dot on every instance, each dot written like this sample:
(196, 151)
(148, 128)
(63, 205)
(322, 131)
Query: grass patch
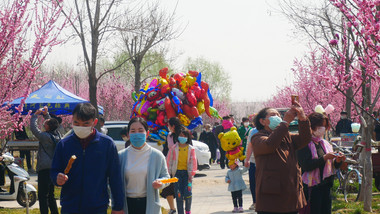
(339, 206)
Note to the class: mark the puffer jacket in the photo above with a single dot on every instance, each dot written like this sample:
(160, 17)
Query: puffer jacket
(172, 160)
(47, 143)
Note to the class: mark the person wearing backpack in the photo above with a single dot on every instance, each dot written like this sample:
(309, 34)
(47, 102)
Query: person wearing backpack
(48, 139)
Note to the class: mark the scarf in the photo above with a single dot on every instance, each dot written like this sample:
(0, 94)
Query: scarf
(227, 124)
(313, 178)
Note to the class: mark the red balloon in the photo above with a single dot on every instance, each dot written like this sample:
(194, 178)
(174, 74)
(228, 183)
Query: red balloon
(178, 77)
(160, 120)
(190, 96)
(164, 72)
(196, 90)
(193, 73)
(170, 112)
(190, 111)
(172, 82)
(165, 90)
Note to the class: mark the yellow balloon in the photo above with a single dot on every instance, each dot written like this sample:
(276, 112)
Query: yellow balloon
(163, 81)
(191, 80)
(201, 107)
(184, 119)
(184, 86)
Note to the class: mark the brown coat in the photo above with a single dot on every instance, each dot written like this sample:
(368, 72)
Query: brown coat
(278, 175)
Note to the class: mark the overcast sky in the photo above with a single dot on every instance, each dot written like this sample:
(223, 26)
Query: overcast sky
(251, 42)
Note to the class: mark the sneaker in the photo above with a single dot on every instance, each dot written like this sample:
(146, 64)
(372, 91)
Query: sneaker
(252, 207)
(241, 210)
(235, 210)
(172, 212)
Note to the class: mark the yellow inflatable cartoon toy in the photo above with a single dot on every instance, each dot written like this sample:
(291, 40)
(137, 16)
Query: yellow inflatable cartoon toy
(231, 143)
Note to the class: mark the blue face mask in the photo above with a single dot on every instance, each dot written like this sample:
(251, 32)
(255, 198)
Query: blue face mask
(274, 122)
(182, 140)
(137, 139)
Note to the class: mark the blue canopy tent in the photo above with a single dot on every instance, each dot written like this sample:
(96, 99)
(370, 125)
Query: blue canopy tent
(58, 100)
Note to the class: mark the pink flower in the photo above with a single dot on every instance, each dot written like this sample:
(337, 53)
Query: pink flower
(333, 42)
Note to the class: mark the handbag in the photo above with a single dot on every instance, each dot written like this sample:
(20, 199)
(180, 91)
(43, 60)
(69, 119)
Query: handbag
(306, 209)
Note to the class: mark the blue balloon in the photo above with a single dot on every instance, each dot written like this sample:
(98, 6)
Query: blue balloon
(210, 97)
(195, 123)
(199, 79)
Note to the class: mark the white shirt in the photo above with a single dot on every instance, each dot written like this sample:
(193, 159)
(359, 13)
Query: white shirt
(250, 134)
(136, 171)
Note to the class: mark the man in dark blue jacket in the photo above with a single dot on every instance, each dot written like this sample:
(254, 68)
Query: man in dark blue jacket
(84, 187)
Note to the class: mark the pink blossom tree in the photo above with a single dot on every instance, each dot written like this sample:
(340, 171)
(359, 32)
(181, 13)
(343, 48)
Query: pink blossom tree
(362, 19)
(313, 82)
(354, 65)
(28, 31)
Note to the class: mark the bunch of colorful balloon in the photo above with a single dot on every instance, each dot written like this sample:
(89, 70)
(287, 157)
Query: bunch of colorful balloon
(181, 95)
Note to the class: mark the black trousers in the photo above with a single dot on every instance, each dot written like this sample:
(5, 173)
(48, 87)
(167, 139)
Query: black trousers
(136, 205)
(46, 193)
(26, 155)
(223, 160)
(2, 175)
(10, 175)
(320, 201)
(213, 151)
(237, 196)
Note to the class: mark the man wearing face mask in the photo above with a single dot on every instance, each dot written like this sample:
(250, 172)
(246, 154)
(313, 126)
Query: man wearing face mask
(84, 187)
(318, 163)
(278, 175)
(343, 125)
(243, 132)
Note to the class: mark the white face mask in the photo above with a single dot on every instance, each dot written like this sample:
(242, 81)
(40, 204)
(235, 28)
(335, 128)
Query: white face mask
(125, 139)
(246, 124)
(320, 131)
(82, 131)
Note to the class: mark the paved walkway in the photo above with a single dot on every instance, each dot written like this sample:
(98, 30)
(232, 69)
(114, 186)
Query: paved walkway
(210, 195)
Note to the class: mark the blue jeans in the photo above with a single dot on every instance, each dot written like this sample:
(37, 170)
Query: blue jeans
(252, 181)
(182, 190)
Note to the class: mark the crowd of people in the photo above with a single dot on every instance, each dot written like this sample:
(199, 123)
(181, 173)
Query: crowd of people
(288, 172)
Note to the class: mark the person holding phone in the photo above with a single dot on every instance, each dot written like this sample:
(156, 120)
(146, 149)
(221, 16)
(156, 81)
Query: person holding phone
(278, 175)
(318, 162)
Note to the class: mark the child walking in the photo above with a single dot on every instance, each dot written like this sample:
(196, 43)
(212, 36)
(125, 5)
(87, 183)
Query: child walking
(182, 164)
(236, 185)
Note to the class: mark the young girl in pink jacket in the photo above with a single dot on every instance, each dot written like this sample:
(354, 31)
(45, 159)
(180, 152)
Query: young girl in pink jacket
(182, 163)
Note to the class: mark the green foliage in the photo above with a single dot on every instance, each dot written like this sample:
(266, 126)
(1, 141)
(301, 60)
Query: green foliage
(214, 74)
(150, 66)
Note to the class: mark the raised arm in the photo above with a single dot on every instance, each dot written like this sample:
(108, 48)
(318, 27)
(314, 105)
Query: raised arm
(263, 144)
(304, 131)
(304, 134)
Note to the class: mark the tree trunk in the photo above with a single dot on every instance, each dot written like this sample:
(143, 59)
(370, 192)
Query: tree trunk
(368, 174)
(348, 102)
(366, 137)
(137, 76)
(93, 88)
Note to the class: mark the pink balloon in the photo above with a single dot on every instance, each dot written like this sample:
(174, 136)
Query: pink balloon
(329, 109)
